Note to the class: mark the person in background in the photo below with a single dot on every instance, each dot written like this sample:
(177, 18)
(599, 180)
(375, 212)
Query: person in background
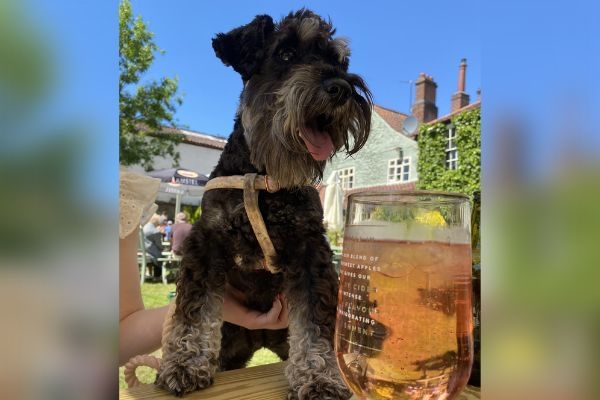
(181, 229)
(140, 329)
(168, 230)
(162, 227)
(153, 244)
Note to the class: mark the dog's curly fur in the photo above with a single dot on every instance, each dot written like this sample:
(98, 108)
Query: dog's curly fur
(296, 80)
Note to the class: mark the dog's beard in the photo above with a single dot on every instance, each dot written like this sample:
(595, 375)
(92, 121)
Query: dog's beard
(292, 129)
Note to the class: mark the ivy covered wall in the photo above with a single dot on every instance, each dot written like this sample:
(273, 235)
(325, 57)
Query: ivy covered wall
(433, 174)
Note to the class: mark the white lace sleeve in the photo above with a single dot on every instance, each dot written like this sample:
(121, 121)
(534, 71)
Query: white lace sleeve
(137, 194)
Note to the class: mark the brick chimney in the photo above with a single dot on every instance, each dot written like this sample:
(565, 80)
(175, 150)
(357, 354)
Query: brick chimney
(460, 99)
(424, 108)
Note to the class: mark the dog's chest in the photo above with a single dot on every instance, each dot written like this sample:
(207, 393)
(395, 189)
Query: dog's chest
(245, 262)
(291, 218)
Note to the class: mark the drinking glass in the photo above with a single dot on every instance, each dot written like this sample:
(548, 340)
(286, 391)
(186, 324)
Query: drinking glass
(404, 325)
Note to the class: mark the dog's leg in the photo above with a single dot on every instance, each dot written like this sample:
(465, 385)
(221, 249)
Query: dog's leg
(191, 349)
(312, 370)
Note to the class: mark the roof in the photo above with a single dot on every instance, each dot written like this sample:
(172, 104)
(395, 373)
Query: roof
(452, 114)
(198, 138)
(393, 118)
(383, 188)
(204, 140)
(375, 188)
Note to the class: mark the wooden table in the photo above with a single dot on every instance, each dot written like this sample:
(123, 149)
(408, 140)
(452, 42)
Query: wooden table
(265, 382)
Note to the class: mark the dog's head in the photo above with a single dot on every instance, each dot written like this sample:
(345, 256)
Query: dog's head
(300, 105)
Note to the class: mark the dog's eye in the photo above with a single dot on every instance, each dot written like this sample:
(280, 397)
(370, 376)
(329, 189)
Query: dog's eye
(287, 54)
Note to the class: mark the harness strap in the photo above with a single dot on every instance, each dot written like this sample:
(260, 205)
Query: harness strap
(251, 183)
(257, 222)
(261, 182)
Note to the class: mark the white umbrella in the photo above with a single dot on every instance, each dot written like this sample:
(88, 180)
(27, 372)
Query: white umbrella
(179, 181)
(333, 202)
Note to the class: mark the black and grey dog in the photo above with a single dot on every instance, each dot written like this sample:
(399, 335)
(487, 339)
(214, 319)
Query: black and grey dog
(299, 106)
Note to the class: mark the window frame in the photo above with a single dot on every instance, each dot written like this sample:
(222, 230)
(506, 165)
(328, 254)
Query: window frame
(404, 165)
(347, 177)
(451, 148)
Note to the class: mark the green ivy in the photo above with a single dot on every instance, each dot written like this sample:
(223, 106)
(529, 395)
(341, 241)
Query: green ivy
(433, 174)
(193, 213)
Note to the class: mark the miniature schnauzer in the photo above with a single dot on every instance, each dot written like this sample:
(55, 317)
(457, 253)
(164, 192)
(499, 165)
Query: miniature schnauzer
(298, 107)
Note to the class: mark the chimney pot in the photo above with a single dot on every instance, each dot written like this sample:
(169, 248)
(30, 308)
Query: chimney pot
(460, 99)
(462, 75)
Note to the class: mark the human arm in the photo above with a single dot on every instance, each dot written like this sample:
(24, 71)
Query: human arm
(140, 329)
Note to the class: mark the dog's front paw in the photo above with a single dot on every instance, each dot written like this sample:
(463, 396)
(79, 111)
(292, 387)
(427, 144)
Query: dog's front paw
(321, 389)
(180, 379)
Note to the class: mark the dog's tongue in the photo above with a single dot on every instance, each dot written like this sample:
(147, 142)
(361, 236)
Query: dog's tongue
(317, 142)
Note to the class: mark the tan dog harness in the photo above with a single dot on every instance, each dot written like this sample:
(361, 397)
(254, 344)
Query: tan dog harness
(251, 184)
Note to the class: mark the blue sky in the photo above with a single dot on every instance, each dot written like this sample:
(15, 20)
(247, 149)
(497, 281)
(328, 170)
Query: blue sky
(391, 41)
(541, 64)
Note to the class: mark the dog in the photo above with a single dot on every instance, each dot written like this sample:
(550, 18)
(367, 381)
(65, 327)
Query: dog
(298, 107)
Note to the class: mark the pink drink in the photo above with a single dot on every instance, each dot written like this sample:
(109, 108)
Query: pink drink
(404, 323)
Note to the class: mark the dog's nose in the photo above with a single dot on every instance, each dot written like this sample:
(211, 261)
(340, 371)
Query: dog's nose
(338, 90)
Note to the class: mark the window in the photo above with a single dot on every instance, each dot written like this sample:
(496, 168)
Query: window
(347, 177)
(399, 170)
(451, 150)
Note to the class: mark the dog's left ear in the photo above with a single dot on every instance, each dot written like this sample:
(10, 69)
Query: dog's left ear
(244, 48)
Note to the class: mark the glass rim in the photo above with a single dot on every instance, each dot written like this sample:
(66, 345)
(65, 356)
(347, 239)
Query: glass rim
(408, 193)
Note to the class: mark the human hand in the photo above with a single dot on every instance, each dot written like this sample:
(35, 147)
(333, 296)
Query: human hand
(236, 313)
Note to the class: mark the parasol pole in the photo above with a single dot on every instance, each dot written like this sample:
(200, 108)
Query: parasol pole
(177, 203)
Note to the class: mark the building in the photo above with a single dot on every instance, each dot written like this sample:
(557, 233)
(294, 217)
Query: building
(449, 146)
(392, 159)
(388, 159)
(198, 152)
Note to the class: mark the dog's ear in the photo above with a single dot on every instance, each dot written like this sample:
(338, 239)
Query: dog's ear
(244, 48)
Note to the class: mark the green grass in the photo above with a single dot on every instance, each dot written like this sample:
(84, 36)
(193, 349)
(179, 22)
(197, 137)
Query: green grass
(263, 356)
(157, 295)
